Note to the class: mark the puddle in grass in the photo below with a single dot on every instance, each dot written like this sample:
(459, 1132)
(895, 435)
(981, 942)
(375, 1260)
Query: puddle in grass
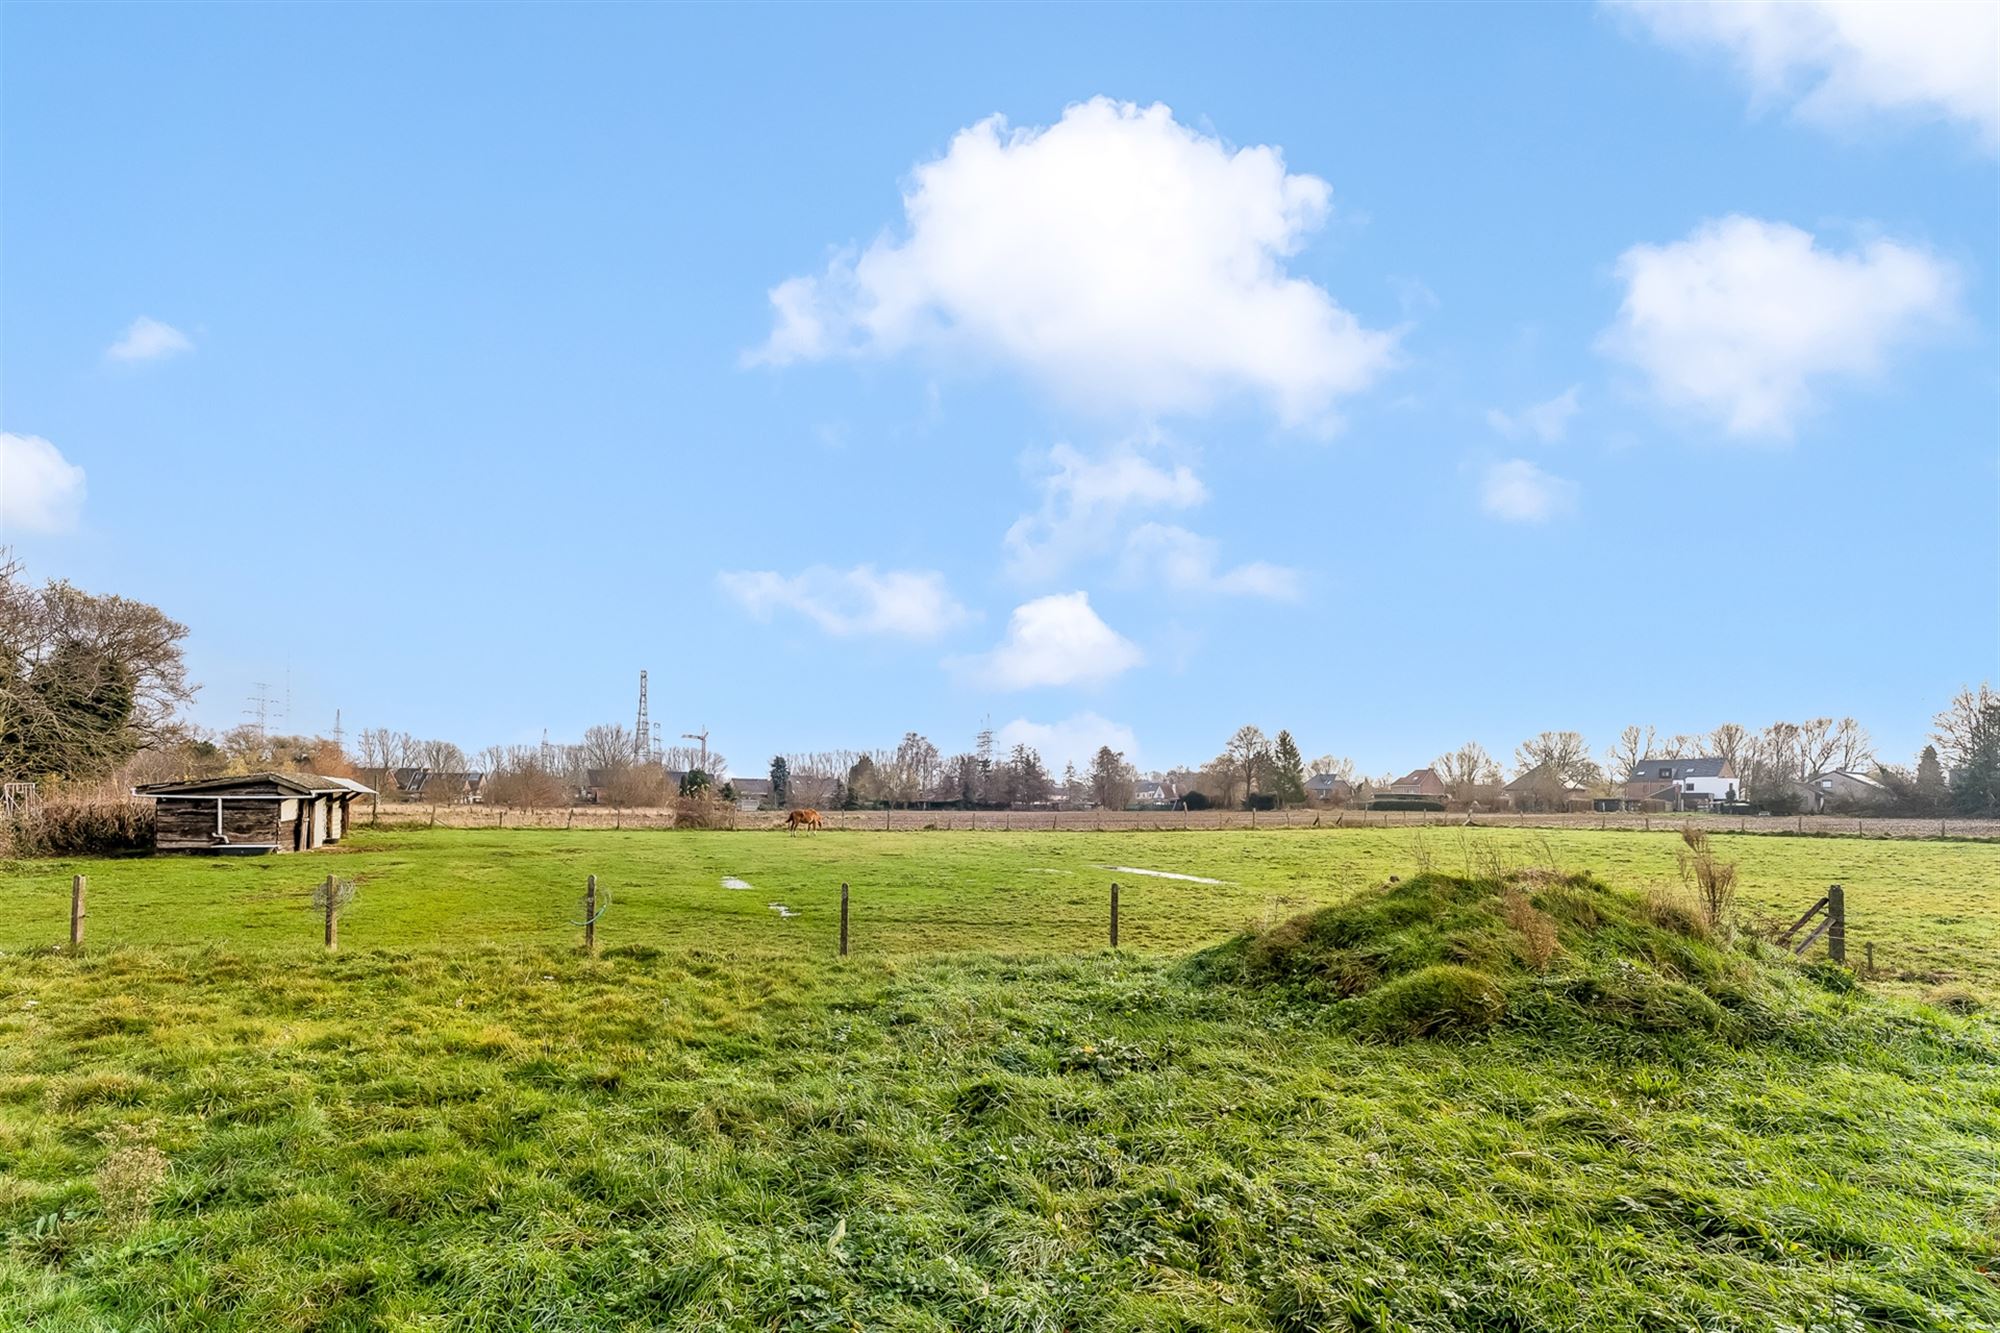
(782, 910)
(1166, 874)
(731, 882)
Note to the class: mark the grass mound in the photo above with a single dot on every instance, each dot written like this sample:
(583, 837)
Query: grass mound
(1449, 955)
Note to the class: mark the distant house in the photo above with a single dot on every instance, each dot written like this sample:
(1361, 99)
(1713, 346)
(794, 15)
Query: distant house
(1541, 788)
(1328, 788)
(751, 793)
(251, 813)
(1423, 784)
(1692, 782)
(1155, 792)
(1842, 789)
(439, 787)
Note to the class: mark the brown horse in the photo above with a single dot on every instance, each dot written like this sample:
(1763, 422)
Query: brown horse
(799, 819)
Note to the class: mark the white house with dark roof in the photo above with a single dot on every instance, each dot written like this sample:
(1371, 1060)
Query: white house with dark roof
(1688, 780)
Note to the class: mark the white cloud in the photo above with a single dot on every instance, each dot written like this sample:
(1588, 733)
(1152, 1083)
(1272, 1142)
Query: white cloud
(1163, 555)
(1118, 256)
(911, 603)
(1074, 740)
(1082, 501)
(1547, 421)
(1837, 59)
(1056, 640)
(147, 339)
(1519, 492)
(40, 490)
(1741, 319)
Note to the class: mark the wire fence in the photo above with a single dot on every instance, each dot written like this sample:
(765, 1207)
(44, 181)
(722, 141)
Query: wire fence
(1107, 821)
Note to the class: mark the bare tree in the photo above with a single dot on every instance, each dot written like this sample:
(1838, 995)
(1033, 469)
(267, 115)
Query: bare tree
(1250, 751)
(1635, 744)
(1731, 742)
(1557, 763)
(607, 747)
(1959, 727)
(1854, 750)
(1333, 767)
(913, 770)
(1465, 769)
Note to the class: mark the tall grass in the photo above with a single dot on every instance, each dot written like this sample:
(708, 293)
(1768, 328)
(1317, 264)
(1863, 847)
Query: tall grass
(77, 825)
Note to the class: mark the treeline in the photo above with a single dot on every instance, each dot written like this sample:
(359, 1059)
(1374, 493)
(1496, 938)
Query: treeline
(92, 687)
(916, 773)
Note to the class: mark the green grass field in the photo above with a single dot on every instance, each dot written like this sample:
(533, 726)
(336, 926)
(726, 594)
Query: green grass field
(1932, 909)
(983, 1120)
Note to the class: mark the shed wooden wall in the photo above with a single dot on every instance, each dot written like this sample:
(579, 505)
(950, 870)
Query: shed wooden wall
(187, 823)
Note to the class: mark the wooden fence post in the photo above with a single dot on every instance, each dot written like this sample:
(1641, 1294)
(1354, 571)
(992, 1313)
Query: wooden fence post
(843, 918)
(332, 920)
(1836, 911)
(590, 915)
(1114, 913)
(77, 885)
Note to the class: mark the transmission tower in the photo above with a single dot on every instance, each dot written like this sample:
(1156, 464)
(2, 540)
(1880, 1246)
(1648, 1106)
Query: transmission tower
(338, 734)
(260, 707)
(642, 731)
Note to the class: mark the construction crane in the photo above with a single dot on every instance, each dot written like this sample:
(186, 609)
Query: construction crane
(701, 736)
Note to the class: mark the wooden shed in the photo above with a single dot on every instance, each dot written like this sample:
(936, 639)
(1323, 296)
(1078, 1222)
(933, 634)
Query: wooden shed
(251, 813)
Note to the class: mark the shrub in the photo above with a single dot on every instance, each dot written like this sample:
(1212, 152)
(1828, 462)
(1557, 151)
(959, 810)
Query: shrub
(703, 811)
(66, 826)
(1403, 803)
(1442, 1000)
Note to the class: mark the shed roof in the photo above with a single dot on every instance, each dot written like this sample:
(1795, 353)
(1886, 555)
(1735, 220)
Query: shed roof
(251, 784)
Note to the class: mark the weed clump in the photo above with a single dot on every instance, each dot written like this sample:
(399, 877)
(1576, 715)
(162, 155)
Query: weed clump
(1954, 999)
(1442, 955)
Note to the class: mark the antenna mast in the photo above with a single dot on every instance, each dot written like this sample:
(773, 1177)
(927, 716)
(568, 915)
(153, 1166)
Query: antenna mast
(642, 730)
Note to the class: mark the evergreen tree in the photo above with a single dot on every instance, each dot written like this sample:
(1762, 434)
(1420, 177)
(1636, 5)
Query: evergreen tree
(1975, 783)
(1930, 776)
(1288, 771)
(781, 782)
(864, 784)
(1027, 780)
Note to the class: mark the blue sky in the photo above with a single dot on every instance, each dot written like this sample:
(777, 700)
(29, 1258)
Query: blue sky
(1398, 375)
